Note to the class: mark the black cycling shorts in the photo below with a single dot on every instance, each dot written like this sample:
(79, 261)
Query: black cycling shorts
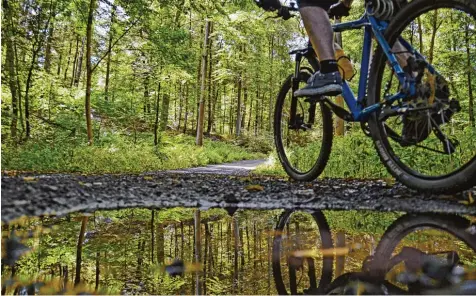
(325, 4)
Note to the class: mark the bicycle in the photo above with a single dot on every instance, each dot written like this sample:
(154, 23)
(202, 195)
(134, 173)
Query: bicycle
(378, 268)
(415, 100)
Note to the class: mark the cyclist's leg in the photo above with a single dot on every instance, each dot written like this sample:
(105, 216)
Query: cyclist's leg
(317, 24)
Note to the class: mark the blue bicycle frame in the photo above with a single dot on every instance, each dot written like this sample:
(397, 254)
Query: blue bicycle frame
(374, 27)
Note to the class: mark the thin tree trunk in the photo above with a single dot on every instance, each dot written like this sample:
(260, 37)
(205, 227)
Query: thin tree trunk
(245, 100)
(79, 65)
(201, 111)
(18, 87)
(238, 107)
(210, 92)
(270, 110)
(236, 235)
(164, 115)
(89, 29)
(75, 62)
(205, 258)
(79, 250)
(49, 39)
(198, 284)
(156, 123)
(420, 34)
(10, 60)
(152, 235)
(339, 122)
(469, 69)
(433, 35)
(109, 46)
(27, 89)
(160, 243)
(186, 109)
(98, 272)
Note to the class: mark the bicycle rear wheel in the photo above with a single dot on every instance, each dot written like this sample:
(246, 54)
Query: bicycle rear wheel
(430, 144)
(303, 149)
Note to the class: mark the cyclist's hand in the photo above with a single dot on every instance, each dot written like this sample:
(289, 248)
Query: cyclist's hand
(270, 5)
(338, 10)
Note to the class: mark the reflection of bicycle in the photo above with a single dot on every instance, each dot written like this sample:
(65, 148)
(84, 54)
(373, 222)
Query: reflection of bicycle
(425, 138)
(425, 272)
(294, 274)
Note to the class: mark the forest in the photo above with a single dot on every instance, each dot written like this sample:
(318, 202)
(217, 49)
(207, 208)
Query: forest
(115, 86)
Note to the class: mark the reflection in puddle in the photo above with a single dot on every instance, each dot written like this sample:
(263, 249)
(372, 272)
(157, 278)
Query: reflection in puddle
(187, 251)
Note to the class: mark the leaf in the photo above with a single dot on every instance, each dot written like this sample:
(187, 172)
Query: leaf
(254, 188)
(148, 178)
(30, 179)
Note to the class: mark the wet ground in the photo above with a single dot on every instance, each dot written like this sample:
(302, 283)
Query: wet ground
(60, 194)
(188, 251)
(139, 234)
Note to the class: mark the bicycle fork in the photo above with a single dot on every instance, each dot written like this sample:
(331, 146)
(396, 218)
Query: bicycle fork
(296, 121)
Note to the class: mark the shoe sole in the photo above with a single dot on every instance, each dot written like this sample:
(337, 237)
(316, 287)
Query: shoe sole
(328, 90)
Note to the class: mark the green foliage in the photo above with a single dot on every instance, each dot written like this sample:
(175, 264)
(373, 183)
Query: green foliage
(352, 156)
(118, 153)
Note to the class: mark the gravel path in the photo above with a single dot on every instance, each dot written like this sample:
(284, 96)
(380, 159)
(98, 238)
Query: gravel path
(60, 194)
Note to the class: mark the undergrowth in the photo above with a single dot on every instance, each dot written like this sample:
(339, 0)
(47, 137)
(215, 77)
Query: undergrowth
(115, 153)
(352, 156)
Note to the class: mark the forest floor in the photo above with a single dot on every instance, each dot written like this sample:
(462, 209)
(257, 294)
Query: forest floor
(208, 187)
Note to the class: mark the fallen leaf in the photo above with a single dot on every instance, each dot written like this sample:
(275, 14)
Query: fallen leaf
(149, 178)
(30, 179)
(254, 188)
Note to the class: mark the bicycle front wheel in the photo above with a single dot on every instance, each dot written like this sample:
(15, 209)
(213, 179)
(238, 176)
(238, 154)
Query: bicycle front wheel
(303, 148)
(428, 141)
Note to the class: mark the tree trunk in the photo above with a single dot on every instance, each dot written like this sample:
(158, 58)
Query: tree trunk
(10, 60)
(89, 29)
(48, 49)
(270, 85)
(79, 64)
(435, 26)
(109, 54)
(146, 95)
(236, 235)
(152, 235)
(18, 87)
(164, 115)
(198, 284)
(27, 88)
(160, 243)
(205, 259)
(201, 111)
(75, 62)
(156, 123)
(238, 108)
(420, 34)
(245, 100)
(210, 92)
(469, 69)
(98, 271)
(186, 109)
(79, 250)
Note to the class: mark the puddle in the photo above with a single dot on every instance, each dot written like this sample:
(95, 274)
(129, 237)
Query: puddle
(144, 251)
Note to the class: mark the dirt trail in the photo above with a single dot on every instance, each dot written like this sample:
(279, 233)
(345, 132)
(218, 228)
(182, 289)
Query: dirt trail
(210, 188)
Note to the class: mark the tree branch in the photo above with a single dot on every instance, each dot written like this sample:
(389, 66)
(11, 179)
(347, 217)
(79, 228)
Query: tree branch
(114, 43)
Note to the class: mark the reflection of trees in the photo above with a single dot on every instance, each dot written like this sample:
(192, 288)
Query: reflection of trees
(129, 249)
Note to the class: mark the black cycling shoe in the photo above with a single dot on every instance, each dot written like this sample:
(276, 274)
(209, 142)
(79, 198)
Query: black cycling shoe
(329, 84)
